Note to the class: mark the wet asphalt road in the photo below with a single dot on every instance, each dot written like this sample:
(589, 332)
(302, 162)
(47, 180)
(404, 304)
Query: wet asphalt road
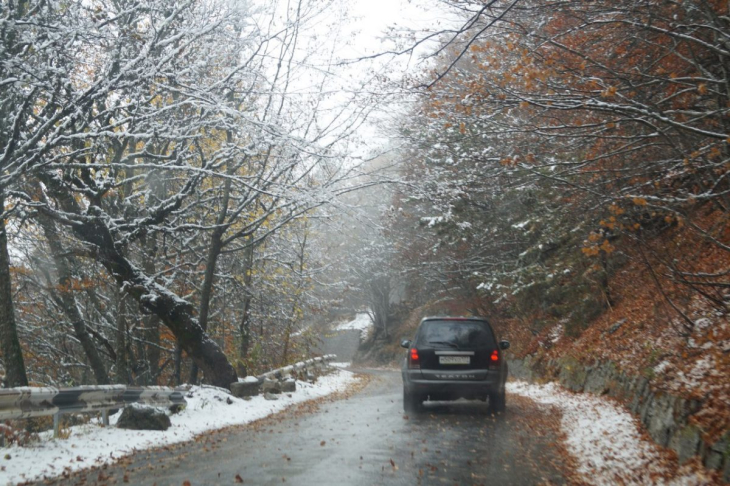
(362, 440)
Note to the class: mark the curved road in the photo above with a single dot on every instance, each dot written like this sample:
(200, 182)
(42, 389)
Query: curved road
(363, 439)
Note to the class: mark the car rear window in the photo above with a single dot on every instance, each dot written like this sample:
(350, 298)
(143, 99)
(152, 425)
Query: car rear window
(457, 334)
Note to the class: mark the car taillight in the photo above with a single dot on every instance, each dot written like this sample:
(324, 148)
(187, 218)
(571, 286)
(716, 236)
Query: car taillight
(413, 361)
(494, 360)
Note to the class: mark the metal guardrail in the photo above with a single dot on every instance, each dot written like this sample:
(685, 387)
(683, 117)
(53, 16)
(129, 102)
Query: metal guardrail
(28, 402)
(297, 367)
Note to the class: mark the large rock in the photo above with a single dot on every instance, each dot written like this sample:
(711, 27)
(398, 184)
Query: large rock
(288, 386)
(247, 388)
(271, 386)
(521, 368)
(717, 453)
(686, 442)
(598, 379)
(572, 374)
(143, 418)
(659, 418)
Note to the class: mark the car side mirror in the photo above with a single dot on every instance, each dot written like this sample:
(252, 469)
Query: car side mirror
(504, 345)
(405, 343)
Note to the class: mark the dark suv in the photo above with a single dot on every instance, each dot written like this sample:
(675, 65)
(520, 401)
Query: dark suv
(451, 358)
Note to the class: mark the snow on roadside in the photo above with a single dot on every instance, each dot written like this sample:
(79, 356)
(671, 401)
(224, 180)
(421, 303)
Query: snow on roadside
(605, 439)
(362, 322)
(208, 409)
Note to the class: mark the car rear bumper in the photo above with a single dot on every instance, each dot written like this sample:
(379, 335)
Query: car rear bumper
(447, 388)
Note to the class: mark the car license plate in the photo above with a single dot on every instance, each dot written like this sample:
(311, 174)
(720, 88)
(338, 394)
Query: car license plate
(454, 360)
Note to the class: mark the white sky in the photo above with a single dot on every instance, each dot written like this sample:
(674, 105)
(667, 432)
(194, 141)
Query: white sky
(374, 23)
(348, 30)
(373, 18)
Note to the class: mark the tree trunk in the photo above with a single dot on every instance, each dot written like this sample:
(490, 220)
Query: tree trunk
(9, 342)
(287, 338)
(177, 373)
(152, 322)
(379, 297)
(245, 324)
(122, 364)
(295, 304)
(176, 313)
(244, 328)
(152, 336)
(214, 251)
(68, 301)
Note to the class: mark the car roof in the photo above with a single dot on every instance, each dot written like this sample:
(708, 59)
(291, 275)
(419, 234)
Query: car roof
(452, 318)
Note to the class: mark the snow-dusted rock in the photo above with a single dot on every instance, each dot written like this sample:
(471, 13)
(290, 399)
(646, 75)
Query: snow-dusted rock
(271, 386)
(288, 386)
(143, 418)
(243, 389)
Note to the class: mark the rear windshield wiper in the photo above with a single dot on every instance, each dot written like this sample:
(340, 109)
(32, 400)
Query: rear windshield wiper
(447, 343)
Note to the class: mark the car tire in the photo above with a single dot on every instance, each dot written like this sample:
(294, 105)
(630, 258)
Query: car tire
(411, 404)
(498, 401)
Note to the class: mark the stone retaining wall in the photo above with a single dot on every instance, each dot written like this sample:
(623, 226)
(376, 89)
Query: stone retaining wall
(666, 417)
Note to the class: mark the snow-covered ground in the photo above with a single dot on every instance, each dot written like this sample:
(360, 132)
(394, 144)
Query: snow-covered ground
(605, 439)
(207, 409)
(362, 322)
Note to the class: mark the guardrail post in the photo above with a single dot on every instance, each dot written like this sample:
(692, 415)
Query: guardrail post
(105, 418)
(56, 425)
